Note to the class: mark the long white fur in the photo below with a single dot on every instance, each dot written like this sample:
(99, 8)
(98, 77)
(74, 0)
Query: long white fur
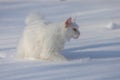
(43, 41)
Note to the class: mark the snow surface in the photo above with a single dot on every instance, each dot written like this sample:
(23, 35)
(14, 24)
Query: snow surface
(113, 25)
(94, 56)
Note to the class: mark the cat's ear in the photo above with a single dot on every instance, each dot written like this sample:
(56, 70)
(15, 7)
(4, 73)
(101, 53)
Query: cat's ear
(68, 22)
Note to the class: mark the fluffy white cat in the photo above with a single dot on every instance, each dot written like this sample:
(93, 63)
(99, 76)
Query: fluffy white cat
(44, 41)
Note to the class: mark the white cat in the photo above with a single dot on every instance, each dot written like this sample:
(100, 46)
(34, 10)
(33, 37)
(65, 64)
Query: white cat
(44, 41)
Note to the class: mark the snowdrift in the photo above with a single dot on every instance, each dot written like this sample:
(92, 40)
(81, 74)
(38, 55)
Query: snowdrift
(113, 26)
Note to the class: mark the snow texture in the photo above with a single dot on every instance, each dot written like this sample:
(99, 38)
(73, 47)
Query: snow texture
(113, 26)
(94, 56)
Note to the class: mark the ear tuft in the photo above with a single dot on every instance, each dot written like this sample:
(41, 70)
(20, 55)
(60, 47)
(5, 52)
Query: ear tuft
(68, 22)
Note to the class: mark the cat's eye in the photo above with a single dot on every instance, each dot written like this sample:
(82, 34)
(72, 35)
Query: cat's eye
(74, 29)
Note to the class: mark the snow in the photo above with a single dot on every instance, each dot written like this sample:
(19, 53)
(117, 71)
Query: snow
(113, 25)
(94, 56)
